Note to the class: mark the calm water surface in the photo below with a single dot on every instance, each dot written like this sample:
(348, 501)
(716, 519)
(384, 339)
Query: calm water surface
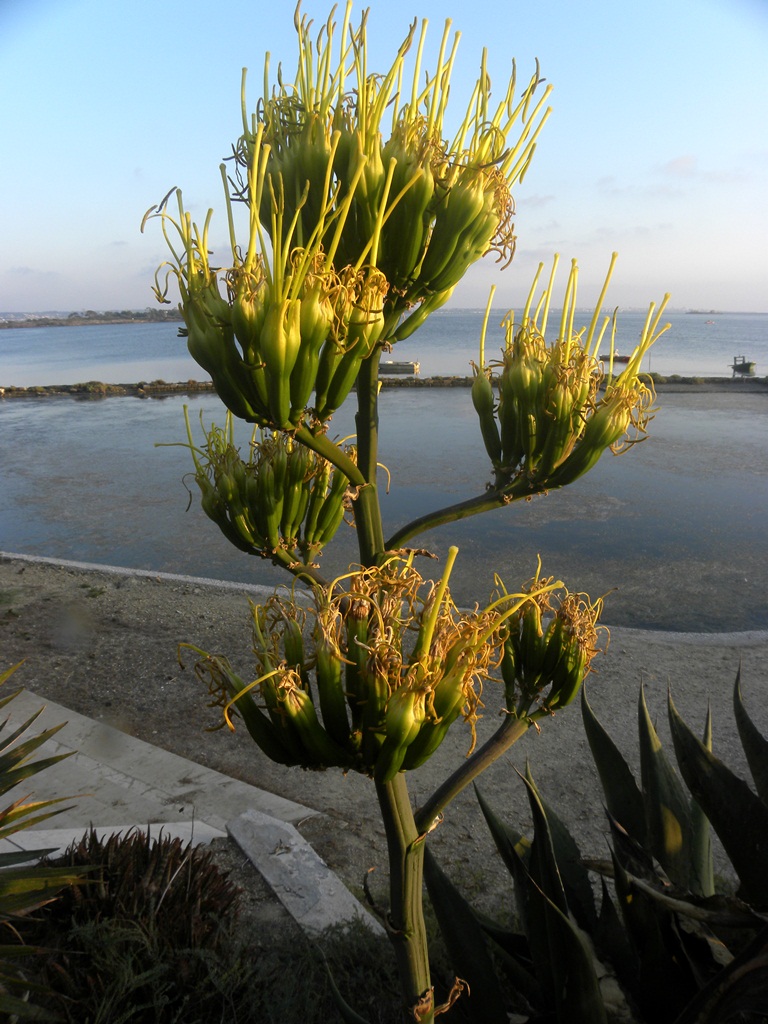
(697, 345)
(676, 530)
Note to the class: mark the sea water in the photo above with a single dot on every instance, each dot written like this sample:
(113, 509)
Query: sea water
(674, 532)
(697, 345)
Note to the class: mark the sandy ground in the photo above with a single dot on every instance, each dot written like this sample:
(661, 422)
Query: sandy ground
(105, 644)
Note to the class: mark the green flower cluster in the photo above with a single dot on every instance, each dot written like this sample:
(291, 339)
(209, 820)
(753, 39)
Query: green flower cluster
(283, 500)
(361, 219)
(558, 409)
(370, 699)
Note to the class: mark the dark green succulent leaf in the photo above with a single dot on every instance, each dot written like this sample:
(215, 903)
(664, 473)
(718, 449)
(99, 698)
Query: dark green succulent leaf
(577, 992)
(752, 740)
(552, 944)
(622, 794)
(515, 851)
(514, 848)
(466, 946)
(544, 868)
(664, 983)
(9, 739)
(702, 876)
(510, 940)
(5, 675)
(512, 950)
(20, 815)
(667, 804)
(632, 857)
(15, 776)
(12, 858)
(737, 992)
(25, 887)
(23, 750)
(612, 942)
(577, 887)
(738, 816)
(690, 921)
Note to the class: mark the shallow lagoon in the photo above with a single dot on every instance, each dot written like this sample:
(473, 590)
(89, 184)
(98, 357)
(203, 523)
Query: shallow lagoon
(676, 529)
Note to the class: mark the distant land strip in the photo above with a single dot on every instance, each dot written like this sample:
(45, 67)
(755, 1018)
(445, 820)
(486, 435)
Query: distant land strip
(90, 317)
(159, 388)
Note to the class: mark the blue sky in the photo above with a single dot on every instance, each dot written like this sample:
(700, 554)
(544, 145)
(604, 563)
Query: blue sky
(657, 146)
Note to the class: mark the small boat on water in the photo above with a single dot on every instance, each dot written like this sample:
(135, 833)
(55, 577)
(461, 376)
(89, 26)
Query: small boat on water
(616, 358)
(390, 366)
(742, 365)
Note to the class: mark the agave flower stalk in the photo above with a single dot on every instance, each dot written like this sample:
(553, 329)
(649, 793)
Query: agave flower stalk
(362, 216)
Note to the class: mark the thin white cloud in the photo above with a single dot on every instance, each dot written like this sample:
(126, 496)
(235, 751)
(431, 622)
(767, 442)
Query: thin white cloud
(680, 167)
(686, 167)
(25, 271)
(536, 201)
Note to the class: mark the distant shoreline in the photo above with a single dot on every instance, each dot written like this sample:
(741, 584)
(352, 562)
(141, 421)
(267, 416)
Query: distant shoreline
(161, 388)
(160, 316)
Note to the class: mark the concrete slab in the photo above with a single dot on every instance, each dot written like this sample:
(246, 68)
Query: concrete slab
(120, 780)
(114, 782)
(312, 894)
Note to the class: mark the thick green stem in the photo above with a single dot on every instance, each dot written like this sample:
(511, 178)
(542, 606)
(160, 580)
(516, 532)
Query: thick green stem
(302, 572)
(370, 532)
(406, 928)
(485, 502)
(324, 447)
(508, 733)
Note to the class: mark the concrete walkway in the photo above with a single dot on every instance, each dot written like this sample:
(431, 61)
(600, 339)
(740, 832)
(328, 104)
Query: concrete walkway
(114, 782)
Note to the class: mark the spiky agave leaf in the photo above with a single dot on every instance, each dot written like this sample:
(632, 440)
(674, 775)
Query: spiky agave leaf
(738, 816)
(667, 806)
(23, 886)
(752, 740)
(622, 795)
(467, 946)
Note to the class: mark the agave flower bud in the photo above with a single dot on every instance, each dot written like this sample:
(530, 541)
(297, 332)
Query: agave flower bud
(316, 313)
(604, 429)
(524, 649)
(577, 640)
(279, 345)
(519, 407)
(369, 190)
(248, 312)
(544, 664)
(483, 401)
(364, 318)
(455, 216)
(419, 315)
(404, 716)
(320, 750)
(406, 230)
(298, 165)
(359, 316)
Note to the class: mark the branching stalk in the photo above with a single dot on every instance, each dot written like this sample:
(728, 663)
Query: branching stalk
(508, 733)
(407, 931)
